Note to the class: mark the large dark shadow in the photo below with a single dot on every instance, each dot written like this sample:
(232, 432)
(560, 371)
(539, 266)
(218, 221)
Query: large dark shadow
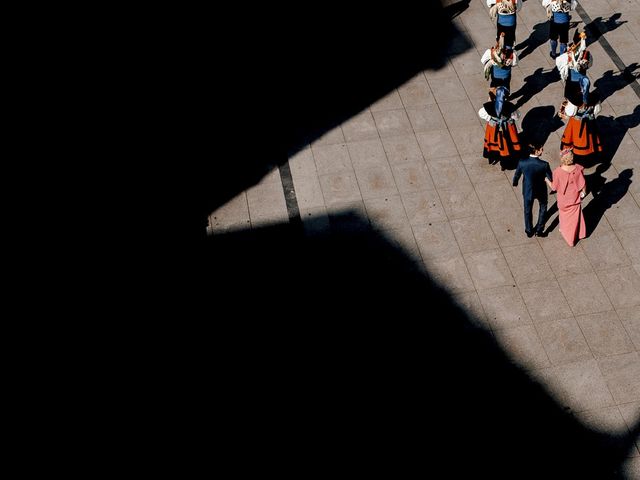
(599, 27)
(538, 124)
(333, 62)
(534, 84)
(609, 83)
(606, 196)
(336, 352)
(339, 352)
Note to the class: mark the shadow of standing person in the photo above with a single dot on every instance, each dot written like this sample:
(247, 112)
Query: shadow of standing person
(534, 84)
(539, 36)
(609, 83)
(538, 124)
(599, 27)
(609, 194)
(612, 131)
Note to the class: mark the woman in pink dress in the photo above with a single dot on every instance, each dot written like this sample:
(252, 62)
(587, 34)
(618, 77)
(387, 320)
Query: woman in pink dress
(569, 183)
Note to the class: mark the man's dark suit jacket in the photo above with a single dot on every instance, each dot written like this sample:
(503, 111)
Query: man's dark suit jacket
(534, 170)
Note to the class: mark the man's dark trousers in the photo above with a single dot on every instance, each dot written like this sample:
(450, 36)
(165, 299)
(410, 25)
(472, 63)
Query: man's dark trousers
(534, 171)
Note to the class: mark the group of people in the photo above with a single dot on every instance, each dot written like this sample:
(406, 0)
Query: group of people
(579, 109)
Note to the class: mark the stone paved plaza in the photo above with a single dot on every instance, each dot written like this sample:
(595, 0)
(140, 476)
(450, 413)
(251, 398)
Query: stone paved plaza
(412, 165)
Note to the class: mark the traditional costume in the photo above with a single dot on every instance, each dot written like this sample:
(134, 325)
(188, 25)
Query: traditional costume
(497, 62)
(558, 14)
(581, 132)
(501, 142)
(580, 107)
(505, 11)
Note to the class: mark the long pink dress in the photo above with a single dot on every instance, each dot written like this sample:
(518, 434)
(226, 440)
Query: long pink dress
(568, 186)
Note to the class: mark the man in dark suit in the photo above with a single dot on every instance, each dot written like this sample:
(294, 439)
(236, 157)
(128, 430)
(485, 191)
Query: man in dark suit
(534, 170)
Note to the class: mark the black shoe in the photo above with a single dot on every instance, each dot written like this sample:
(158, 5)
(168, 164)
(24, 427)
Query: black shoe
(540, 233)
(529, 234)
(553, 55)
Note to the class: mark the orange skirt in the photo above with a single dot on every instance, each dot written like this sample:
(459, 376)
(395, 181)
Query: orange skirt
(582, 135)
(500, 143)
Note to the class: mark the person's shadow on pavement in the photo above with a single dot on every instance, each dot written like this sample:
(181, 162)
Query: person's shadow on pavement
(539, 35)
(609, 194)
(538, 124)
(599, 27)
(534, 84)
(609, 83)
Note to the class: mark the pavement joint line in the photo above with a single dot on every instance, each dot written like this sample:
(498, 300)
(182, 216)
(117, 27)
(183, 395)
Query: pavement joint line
(606, 46)
(289, 194)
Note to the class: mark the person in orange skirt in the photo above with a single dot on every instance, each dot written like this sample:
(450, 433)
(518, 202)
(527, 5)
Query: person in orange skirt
(581, 133)
(580, 107)
(501, 141)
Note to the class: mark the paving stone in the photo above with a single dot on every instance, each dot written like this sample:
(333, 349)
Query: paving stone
(308, 191)
(332, 158)
(360, 127)
(630, 318)
(545, 301)
(622, 285)
(460, 202)
(426, 118)
(234, 215)
(504, 307)
(368, 153)
(302, 163)
(446, 89)
(622, 374)
(436, 144)
(448, 172)
(386, 213)
(603, 249)
(416, 92)
(458, 114)
(340, 188)
(391, 101)
(489, 269)
(470, 302)
(474, 234)
(605, 334)
(392, 123)
(402, 149)
(607, 420)
(508, 227)
(266, 204)
(584, 293)
(563, 259)
(469, 139)
(579, 386)
(413, 177)
(376, 182)
(330, 137)
(423, 207)
(527, 263)
(525, 346)
(563, 341)
(451, 273)
(436, 241)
